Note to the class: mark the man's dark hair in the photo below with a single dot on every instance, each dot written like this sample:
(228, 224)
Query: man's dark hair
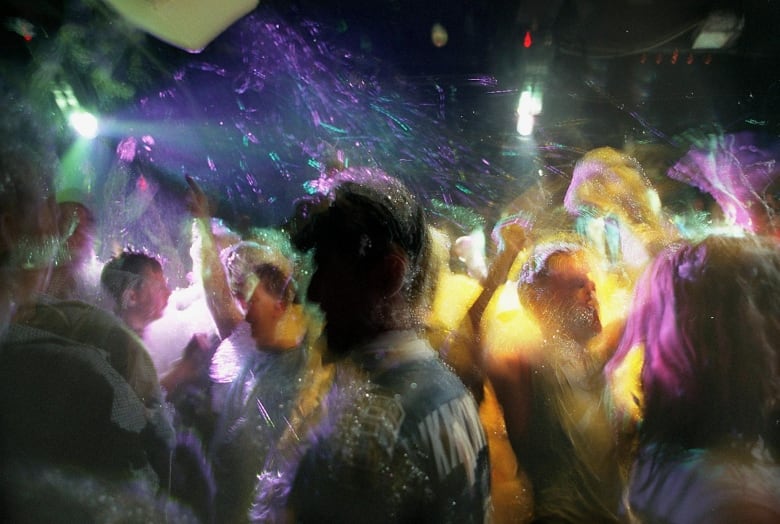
(125, 271)
(276, 282)
(366, 216)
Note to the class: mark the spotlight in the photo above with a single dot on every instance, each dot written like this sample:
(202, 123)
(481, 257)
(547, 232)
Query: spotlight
(84, 123)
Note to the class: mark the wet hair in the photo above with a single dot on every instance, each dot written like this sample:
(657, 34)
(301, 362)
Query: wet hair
(240, 260)
(708, 317)
(272, 248)
(125, 272)
(276, 282)
(540, 262)
(367, 216)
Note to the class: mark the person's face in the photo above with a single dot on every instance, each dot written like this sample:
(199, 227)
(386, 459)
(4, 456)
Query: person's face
(262, 313)
(152, 294)
(569, 302)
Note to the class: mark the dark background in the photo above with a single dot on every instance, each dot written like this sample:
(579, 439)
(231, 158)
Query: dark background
(258, 115)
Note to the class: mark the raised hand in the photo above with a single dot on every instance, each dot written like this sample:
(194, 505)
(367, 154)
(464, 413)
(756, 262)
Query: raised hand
(197, 201)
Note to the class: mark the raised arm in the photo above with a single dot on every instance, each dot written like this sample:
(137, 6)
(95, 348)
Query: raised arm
(512, 239)
(220, 301)
(507, 372)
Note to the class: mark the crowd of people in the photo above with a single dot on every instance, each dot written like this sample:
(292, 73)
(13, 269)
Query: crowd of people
(365, 362)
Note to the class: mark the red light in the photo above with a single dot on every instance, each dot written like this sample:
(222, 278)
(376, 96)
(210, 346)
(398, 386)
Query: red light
(527, 40)
(675, 56)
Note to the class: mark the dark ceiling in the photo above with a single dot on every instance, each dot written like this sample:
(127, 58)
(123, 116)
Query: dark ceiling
(581, 44)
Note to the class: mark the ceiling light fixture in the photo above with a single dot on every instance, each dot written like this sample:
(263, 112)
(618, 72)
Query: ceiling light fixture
(719, 30)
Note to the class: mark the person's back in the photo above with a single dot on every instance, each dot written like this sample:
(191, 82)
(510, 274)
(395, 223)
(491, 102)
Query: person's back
(74, 442)
(89, 325)
(705, 316)
(402, 442)
(400, 438)
(64, 404)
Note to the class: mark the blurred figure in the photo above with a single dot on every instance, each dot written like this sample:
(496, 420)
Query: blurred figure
(64, 411)
(259, 404)
(240, 262)
(618, 209)
(136, 283)
(173, 463)
(29, 240)
(740, 171)
(223, 266)
(551, 393)
(76, 274)
(187, 311)
(708, 318)
(511, 491)
(446, 327)
(399, 437)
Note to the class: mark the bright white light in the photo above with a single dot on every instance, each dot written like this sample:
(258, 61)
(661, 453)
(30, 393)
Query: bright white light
(720, 29)
(84, 123)
(529, 105)
(525, 124)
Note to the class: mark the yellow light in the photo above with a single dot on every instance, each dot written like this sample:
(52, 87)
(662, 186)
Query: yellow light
(439, 35)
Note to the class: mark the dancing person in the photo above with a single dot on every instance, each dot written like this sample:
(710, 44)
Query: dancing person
(512, 493)
(224, 265)
(136, 283)
(240, 261)
(707, 317)
(399, 438)
(551, 393)
(261, 398)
